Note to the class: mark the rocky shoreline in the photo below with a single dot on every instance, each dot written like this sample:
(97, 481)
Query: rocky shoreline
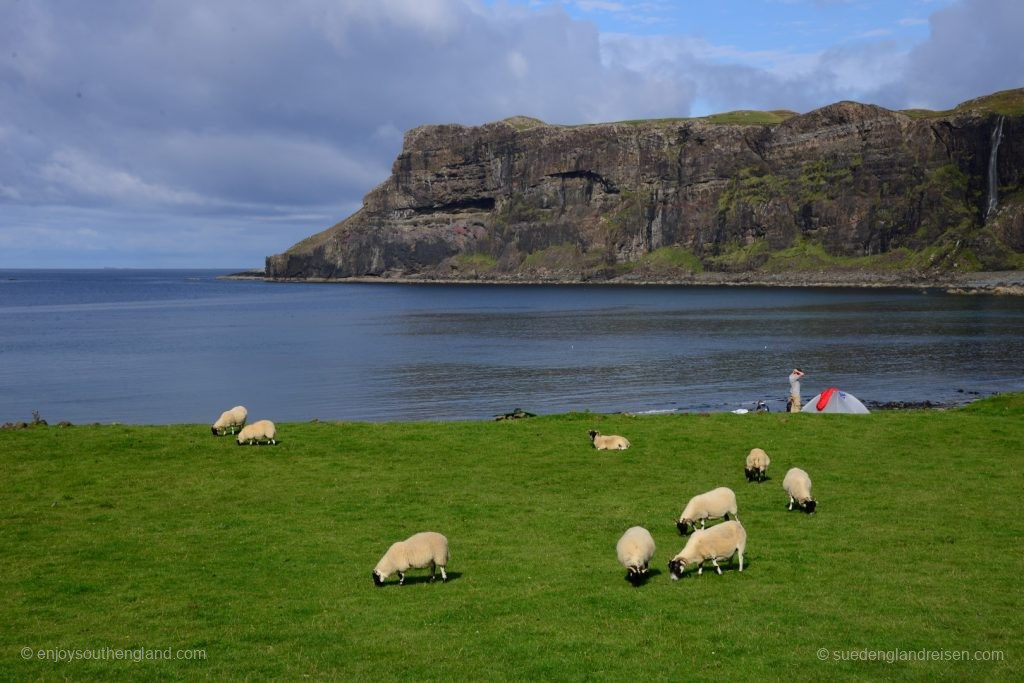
(1009, 283)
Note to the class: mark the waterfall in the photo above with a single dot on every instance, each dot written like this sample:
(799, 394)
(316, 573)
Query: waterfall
(993, 172)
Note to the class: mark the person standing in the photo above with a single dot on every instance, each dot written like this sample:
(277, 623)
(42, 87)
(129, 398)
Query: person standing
(794, 390)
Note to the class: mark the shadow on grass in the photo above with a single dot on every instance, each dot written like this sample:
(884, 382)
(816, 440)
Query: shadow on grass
(425, 578)
(651, 573)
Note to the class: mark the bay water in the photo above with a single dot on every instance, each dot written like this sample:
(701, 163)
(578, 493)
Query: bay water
(177, 346)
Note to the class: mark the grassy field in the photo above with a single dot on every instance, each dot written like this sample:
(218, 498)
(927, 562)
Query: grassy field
(137, 538)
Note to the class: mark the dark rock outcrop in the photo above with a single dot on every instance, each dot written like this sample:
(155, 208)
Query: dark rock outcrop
(849, 186)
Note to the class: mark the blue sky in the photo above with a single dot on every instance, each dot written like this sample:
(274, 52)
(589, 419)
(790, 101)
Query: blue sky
(143, 133)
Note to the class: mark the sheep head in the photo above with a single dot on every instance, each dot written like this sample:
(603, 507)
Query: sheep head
(377, 580)
(676, 568)
(809, 505)
(636, 575)
(683, 526)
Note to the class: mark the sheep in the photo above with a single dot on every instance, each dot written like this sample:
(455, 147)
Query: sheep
(720, 502)
(425, 549)
(798, 486)
(230, 420)
(635, 549)
(608, 443)
(257, 432)
(757, 465)
(719, 542)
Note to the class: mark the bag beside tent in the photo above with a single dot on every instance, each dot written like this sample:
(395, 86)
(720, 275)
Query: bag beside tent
(833, 400)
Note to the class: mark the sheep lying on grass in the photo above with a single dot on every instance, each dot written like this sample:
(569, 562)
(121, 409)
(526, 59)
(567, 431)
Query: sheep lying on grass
(635, 550)
(608, 443)
(757, 465)
(230, 421)
(262, 431)
(425, 549)
(720, 542)
(798, 486)
(714, 504)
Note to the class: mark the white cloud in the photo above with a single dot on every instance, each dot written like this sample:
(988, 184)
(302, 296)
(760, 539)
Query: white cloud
(72, 170)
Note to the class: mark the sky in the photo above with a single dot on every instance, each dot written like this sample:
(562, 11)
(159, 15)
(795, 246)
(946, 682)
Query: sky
(191, 133)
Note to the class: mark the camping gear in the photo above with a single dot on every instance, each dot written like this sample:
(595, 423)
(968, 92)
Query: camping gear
(832, 400)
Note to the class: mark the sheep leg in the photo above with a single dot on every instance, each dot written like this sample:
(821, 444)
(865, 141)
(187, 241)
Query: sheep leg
(432, 572)
(700, 569)
(791, 501)
(702, 522)
(717, 568)
(444, 576)
(401, 578)
(741, 561)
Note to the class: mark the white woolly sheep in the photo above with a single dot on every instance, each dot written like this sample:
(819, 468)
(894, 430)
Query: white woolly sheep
(230, 421)
(257, 432)
(608, 443)
(798, 486)
(635, 550)
(425, 549)
(757, 465)
(720, 502)
(720, 542)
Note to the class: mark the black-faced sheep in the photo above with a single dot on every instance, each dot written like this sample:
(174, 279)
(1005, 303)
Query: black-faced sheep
(757, 465)
(719, 543)
(635, 550)
(798, 486)
(230, 421)
(714, 504)
(608, 443)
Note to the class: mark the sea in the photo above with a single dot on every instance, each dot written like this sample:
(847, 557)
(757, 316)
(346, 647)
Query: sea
(180, 346)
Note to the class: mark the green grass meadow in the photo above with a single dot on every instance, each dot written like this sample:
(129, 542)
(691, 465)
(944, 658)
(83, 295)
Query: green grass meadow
(162, 537)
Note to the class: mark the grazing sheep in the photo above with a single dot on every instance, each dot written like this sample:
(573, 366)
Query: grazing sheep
(608, 443)
(425, 549)
(635, 549)
(757, 465)
(719, 542)
(720, 502)
(257, 432)
(798, 485)
(230, 421)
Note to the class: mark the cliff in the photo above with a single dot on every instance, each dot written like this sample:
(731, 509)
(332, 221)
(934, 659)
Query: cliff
(849, 188)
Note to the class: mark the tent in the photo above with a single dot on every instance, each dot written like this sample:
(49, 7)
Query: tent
(834, 401)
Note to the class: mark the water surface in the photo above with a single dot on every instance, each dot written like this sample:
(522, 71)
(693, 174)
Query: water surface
(162, 346)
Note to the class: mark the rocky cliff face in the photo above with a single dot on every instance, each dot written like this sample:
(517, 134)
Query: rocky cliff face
(848, 186)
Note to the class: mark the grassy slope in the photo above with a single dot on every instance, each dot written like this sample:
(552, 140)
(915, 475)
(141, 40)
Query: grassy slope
(156, 537)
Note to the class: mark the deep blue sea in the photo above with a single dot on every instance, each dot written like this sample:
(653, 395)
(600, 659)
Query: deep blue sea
(171, 346)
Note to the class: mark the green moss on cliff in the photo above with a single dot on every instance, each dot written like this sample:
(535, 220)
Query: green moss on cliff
(821, 180)
(480, 263)
(671, 259)
(810, 255)
(555, 257)
(733, 257)
(751, 186)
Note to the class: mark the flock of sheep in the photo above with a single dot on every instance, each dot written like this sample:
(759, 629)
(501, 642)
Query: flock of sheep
(261, 431)
(716, 544)
(719, 543)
